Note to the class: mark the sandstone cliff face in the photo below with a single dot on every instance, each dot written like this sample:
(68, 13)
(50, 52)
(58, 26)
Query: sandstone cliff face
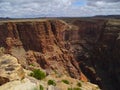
(96, 45)
(41, 42)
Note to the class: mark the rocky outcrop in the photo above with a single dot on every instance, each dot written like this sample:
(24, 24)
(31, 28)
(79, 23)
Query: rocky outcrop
(30, 83)
(96, 45)
(39, 41)
(10, 69)
(25, 84)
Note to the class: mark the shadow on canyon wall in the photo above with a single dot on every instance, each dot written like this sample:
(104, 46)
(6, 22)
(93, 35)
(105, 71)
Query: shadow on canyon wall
(96, 46)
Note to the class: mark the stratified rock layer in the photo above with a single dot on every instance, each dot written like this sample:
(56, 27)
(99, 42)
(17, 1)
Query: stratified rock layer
(96, 45)
(39, 41)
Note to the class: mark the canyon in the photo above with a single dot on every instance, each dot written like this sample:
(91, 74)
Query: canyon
(96, 45)
(70, 48)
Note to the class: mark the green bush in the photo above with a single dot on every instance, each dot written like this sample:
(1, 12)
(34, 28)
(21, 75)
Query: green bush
(70, 89)
(51, 82)
(41, 87)
(76, 88)
(65, 81)
(79, 84)
(38, 74)
(32, 64)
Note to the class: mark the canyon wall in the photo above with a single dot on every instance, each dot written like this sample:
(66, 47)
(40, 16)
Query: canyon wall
(91, 46)
(39, 43)
(96, 46)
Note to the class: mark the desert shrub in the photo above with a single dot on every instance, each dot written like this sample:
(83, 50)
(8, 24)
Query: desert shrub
(79, 84)
(65, 81)
(2, 50)
(51, 82)
(70, 89)
(32, 64)
(35, 88)
(76, 88)
(41, 87)
(38, 74)
(55, 72)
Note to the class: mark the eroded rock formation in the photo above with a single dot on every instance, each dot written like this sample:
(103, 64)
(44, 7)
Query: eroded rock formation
(41, 42)
(10, 69)
(96, 45)
(54, 46)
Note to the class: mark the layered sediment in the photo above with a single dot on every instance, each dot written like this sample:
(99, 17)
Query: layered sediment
(85, 49)
(39, 43)
(96, 45)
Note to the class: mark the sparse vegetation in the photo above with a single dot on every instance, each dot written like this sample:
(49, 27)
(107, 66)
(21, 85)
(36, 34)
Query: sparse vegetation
(55, 72)
(35, 88)
(38, 74)
(97, 87)
(32, 64)
(41, 87)
(70, 89)
(75, 88)
(65, 81)
(51, 82)
(79, 84)
(2, 50)
(59, 75)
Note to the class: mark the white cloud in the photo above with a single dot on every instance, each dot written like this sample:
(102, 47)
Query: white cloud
(21, 8)
(37, 8)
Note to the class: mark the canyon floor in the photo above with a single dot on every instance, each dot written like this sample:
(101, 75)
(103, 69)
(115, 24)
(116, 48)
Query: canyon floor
(60, 54)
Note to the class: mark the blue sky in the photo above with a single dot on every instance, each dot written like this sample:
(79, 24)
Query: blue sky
(57, 8)
(79, 3)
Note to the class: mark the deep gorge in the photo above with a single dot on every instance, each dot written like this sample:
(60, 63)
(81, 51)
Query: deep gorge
(85, 49)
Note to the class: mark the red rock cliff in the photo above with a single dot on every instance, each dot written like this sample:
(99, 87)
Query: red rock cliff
(41, 42)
